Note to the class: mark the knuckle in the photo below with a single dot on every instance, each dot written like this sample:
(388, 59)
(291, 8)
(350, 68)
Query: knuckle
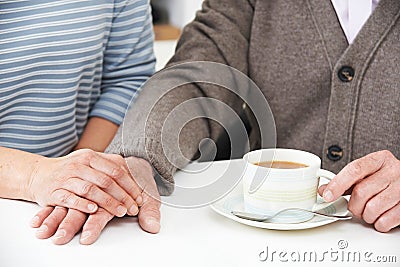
(117, 173)
(380, 157)
(354, 168)
(153, 209)
(352, 209)
(126, 199)
(334, 183)
(385, 154)
(396, 169)
(67, 224)
(71, 167)
(76, 202)
(81, 151)
(53, 219)
(119, 159)
(50, 222)
(65, 198)
(108, 202)
(134, 191)
(86, 155)
(390, 173)
(105, 181)
(76, 153)
(87, 188)
(358, 191)
(60, 209)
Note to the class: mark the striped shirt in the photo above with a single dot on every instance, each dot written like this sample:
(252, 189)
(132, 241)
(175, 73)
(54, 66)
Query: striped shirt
(64, 61)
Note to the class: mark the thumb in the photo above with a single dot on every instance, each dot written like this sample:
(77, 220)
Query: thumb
(149, 214)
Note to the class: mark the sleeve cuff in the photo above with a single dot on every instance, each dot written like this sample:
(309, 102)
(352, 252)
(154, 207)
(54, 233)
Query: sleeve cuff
(149, 150)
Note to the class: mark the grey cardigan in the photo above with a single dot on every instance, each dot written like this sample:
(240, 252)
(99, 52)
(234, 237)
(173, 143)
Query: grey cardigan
(294, 51)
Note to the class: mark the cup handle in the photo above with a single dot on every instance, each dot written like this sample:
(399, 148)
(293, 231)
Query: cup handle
(328, 176)
(325, 174)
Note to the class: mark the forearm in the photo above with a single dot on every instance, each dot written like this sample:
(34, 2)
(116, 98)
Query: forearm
(16, 168)
(220, 33)
(147, 133)
(97, 135)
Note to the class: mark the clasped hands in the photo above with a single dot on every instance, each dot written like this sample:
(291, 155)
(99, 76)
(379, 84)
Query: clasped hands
(85, 190)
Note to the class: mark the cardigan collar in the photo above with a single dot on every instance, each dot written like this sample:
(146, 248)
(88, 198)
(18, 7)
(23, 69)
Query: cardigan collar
(370, 36)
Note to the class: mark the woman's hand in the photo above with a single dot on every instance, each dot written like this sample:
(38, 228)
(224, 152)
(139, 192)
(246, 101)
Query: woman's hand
(84, 180)
(63, 224)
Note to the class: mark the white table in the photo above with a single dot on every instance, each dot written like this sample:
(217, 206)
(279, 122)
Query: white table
(188, 237)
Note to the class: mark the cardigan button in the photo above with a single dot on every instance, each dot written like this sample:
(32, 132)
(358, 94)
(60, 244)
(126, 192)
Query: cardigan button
(346, 74)
(334, 153)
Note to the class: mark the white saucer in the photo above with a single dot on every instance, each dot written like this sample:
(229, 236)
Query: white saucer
(234, 201)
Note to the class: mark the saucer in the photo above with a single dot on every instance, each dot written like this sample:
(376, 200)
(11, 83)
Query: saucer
(234, 201)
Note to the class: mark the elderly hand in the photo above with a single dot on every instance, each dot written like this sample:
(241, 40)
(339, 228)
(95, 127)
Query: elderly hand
(375, 197)
(84, 180)
(64, 223)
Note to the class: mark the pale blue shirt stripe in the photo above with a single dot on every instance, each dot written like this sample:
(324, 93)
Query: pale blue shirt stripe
(64, 61)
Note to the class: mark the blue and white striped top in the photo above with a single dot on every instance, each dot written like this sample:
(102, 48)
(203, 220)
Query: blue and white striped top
(63, 61)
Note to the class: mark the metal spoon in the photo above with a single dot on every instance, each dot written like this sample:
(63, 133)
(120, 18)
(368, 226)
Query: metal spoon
(262, 218)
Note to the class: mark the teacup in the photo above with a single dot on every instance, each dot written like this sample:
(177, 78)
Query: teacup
(270, 188)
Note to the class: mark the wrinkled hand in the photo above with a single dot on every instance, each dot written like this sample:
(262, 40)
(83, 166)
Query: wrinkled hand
(375, 197)
(84, 180)
(64, 223)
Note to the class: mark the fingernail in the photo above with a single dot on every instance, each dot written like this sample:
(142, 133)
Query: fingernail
(328, 196)
(92, 207)
(85, 235)
(121, 211)
(60, 234)
(139, 200)
(42, 229)
(133, 210)
(35, 221)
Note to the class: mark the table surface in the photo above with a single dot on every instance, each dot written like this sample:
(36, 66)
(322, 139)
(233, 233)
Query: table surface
(196, 237)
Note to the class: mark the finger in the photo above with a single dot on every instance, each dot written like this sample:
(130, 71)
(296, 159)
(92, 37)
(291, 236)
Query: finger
(41, 216)
(142, 172)
(67, 199)
(353, 173)
(365, 190)
(91, 192)
(149, 215)
(51, 223)
(94, 226)
(127, 182)
(389, 220)
(380, 203)
(103, 164)
(105, 182)
(322, 188)
(110, 168)
(70, 225)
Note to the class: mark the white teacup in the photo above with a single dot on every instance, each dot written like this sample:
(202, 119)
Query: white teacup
(282, 188)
